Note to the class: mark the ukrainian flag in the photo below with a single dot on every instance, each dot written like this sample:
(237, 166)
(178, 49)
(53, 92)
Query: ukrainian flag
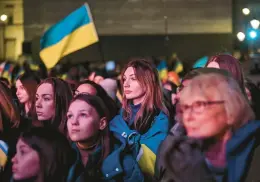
(163, 70)
(74, 32)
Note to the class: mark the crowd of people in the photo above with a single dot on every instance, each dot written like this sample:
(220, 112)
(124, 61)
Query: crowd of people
(203, 128)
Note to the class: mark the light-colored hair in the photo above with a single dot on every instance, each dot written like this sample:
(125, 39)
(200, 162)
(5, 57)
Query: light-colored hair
(224, 88)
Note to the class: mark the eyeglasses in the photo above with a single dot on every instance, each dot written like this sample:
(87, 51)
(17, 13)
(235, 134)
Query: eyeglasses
(198, 106)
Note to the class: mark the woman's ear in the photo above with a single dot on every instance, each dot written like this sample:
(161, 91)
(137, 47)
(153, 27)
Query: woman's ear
(103, 123)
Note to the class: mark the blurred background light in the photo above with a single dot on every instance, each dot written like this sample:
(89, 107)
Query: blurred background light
(241, 36)
(246, 11)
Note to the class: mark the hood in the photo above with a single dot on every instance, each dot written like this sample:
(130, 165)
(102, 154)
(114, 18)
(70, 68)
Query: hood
(240, 149)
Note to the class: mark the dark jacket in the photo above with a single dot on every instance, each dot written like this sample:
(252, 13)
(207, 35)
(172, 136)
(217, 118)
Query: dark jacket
(242, 154)
(117, 167)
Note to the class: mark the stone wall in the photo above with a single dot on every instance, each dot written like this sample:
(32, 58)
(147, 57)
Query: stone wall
(132, 17)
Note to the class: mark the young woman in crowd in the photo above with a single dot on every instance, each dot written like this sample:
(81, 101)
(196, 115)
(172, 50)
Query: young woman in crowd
(92, 88)
(52, 100)
(97, 158)
(221, 132)
(143, 122)
(43, 155)
(26, 86)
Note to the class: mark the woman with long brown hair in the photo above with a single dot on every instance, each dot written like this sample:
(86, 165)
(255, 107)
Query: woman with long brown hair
(143, 122)
(52, 100)
(42, 155)
(97, 157)
(26, 86)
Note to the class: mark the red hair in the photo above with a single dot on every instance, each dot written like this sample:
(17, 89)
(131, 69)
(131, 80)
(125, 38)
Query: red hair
(231, 64)
(148, 78)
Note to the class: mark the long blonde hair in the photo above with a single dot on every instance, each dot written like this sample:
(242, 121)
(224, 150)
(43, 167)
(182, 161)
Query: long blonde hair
(147, 76)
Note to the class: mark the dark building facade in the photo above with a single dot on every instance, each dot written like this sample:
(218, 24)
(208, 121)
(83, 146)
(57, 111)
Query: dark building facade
(191, 28)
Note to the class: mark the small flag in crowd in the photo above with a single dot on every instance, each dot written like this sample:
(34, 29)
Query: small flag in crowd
(3, 154)
(178, 68)
(7, 71)
(74, 32)
(163, 70)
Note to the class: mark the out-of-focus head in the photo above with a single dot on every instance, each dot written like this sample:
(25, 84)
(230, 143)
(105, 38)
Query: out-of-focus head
(9, 113)
(44, 153)
(110, 86)
(5, 81)
(86, 87)
(253, 94)
(231, 64)
(196, 72)
(213, 104)
(92, 88)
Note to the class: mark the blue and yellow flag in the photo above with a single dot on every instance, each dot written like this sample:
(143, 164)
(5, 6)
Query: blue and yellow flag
(7, 72)
(163, 70)
(74, 32)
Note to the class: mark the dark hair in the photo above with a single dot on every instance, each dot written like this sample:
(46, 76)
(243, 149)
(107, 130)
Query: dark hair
(199, 71)
(99, 105)
(173, 86)
(62, 98)
(30, 83)
(9, 113)
(108, 101)
(55, 152)
(255, 97)
(5, 81)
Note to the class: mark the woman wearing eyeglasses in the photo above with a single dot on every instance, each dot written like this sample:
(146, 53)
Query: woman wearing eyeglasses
(222, 142)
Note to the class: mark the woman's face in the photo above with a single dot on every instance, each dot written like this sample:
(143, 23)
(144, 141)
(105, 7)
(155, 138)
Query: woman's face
(132, 88)
(26, 162)
(21, 92)
(83, 121)
(45, 104)
(213, 65)
(87, 89)
(202, 117)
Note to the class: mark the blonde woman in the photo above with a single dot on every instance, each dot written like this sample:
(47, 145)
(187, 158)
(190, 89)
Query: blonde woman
(222, 141)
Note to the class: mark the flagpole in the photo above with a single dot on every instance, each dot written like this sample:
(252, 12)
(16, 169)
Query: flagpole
(101, 52)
